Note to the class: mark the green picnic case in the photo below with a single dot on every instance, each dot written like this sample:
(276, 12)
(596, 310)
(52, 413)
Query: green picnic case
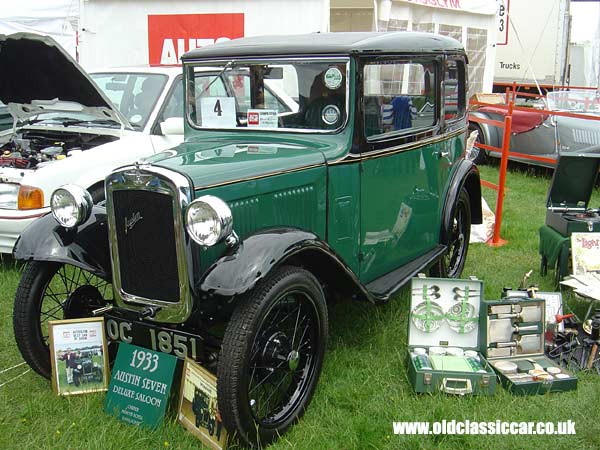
(523, 321)
(431, 313)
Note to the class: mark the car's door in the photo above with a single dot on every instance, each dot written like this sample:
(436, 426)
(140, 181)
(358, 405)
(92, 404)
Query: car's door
(400, 159)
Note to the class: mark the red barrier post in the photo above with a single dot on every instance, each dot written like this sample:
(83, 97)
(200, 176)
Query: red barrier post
(497, 241)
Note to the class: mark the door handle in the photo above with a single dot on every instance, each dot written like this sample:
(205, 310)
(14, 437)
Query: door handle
(441, 154)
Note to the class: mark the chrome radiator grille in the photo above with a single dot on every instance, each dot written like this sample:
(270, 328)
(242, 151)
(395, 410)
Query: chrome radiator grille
(151, 255)
(146, 240)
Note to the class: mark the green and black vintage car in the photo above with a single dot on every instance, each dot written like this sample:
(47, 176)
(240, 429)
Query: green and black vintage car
(227, 248)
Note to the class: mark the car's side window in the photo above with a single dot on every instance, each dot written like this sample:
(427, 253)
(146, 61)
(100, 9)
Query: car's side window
(174, 106)
(454, 88)
(399, 96)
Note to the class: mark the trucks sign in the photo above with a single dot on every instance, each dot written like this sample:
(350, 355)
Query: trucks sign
(171, 35)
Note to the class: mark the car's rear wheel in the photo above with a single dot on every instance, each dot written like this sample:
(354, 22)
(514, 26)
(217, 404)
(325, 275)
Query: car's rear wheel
(271, 356)
(52, 291)
(459, 231)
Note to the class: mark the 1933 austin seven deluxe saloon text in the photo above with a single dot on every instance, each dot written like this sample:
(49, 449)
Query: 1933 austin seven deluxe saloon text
(227, 247)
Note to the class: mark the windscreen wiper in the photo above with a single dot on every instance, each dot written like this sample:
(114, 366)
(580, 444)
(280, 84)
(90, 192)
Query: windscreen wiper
(227, 66)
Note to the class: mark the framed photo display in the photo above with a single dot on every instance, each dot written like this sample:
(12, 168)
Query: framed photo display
(78, 353)
(585, 248)
(198, 410)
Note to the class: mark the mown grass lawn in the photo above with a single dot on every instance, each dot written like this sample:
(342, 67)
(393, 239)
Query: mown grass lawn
(364, 385)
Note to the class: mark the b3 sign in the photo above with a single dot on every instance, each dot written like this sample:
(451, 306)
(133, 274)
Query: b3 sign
(171, 35)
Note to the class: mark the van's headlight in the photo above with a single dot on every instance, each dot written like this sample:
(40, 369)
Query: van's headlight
(71, 205)
(208, 220)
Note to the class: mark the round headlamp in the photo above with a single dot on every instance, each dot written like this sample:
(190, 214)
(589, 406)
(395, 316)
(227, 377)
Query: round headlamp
(71, 205)
(208, 220)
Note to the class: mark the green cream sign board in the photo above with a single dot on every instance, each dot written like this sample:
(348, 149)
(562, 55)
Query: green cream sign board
(140, 385)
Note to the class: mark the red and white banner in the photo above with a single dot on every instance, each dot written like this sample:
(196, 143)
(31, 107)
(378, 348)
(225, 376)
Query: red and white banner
(473, 6)
(171, 35)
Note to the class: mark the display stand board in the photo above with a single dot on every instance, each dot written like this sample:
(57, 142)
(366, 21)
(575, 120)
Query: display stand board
(140, 385)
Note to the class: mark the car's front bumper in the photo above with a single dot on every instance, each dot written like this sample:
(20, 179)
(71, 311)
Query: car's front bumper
(12, 224)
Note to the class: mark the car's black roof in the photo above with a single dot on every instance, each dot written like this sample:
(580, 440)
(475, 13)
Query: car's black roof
(329, 43)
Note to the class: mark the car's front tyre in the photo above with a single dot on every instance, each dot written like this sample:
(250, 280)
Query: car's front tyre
(271, 356)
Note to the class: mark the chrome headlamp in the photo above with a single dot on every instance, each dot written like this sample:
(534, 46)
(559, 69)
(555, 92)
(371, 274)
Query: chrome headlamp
(208, 220)
(71, 205)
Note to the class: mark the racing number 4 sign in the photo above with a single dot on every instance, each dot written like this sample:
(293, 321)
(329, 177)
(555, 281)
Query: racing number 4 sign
(171, 35)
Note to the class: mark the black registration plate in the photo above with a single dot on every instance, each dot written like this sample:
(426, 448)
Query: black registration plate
(174, 342)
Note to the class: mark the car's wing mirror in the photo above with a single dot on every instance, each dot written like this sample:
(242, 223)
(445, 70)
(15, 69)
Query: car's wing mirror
(172, 126)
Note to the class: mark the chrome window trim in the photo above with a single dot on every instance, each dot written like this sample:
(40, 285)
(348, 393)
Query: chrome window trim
(154, 179)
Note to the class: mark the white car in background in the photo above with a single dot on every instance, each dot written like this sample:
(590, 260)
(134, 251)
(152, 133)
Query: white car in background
(68, 131)
(72, 130)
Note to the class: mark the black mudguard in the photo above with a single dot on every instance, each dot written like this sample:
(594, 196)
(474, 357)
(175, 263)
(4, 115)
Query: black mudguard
(465, 175)
(243, 266)
(85, 246)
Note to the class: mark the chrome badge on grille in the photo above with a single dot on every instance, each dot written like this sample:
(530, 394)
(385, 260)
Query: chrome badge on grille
(130, 223)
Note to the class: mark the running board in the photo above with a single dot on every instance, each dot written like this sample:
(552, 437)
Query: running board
(386, 286)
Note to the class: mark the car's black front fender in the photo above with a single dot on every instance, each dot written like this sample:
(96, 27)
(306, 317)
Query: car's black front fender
(242, 267)
(85, 246)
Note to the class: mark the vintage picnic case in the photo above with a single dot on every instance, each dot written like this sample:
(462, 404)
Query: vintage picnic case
(513, 342)
(570, 191)
(443, 338)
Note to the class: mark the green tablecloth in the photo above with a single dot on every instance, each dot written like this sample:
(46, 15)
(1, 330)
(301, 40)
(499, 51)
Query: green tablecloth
(555, 250)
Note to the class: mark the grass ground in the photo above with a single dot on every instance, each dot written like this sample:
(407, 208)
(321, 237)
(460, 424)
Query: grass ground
(364, 385)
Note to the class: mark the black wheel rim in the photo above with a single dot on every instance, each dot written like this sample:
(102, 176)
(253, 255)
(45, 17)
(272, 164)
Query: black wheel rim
(71, 292)
(283, 359)
(458, 241)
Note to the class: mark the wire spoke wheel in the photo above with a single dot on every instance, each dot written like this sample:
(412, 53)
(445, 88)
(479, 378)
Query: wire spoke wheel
(459, 231)
(282, 358)
(272, 355)
(457, 240)
(71, 293)
(52, 291)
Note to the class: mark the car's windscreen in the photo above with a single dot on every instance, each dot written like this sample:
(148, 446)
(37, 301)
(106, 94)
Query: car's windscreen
(582, 101)
(308, 94)
(134, 94)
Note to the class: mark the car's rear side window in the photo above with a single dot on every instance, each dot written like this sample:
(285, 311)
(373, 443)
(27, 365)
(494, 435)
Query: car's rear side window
(399, 96)
(454, 89)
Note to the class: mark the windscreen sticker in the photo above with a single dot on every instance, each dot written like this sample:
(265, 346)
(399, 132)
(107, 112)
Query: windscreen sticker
(217, 112)
(333, 78)
(331, 114)
(262, 118)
